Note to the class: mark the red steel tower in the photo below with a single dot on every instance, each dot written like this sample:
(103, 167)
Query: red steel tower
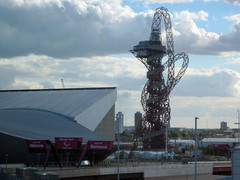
(155, 94)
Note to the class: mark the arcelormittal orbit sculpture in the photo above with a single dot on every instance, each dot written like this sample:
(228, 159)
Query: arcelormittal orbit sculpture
(155, 94)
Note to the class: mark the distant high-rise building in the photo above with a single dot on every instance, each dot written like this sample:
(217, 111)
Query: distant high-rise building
(138, 118)
(223, 125)
(119, 121)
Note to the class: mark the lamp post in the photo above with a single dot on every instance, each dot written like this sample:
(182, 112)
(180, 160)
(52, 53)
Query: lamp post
(196, 118)
(6, 160)
(238, 112)
(117, 118)
(166, 152)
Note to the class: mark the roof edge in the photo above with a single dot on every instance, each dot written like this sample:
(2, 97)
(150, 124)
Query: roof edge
(15, 135)
(57, 89)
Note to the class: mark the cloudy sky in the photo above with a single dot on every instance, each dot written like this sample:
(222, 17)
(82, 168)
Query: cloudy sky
(86, 43)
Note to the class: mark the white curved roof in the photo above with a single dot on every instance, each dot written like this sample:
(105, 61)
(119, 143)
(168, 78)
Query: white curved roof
(87, 106)
(219, 140)
(180, 141)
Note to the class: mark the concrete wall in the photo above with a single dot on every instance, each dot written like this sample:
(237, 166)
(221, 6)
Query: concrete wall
(150, 172)
(190, 177)
(106, 127)
(176, 170)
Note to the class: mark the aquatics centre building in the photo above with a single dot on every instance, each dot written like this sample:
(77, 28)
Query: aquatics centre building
(77, 122)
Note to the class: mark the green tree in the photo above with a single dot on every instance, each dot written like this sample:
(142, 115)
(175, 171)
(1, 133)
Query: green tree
(190, 147)
(184, 134)
(174, 134)
(130, 156)
(208, 150)
(121, 155)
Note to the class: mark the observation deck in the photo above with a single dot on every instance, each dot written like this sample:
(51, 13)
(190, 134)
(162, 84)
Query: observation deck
(150, 50)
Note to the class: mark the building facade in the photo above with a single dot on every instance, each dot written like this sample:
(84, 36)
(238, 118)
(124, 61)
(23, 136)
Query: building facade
(223, 125)
(120, 121)
(137, 118)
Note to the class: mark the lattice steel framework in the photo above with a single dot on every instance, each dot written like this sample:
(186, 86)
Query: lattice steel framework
(155, 94)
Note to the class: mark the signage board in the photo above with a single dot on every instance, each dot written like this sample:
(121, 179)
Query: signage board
(36, 144)
(67, 142)
(99, 145)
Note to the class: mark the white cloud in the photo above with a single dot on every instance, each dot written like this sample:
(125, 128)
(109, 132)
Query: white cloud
(185, 15)
(213, 95)
(96, 28)
(209, 83)
(210, 110)
(19, 84)
(232, 39)
(191, 38)
(147, 2)
(71, 28)
(195, 40)
(234, 60)
(7, 78)
(235, 18)
(236, 2)
(28, 3)
(84, 72)
(203, 15)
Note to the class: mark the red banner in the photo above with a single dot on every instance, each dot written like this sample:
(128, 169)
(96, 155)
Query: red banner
(67, 142)
(36, 144)
(235, 144)
(99, 145)
(220, 147)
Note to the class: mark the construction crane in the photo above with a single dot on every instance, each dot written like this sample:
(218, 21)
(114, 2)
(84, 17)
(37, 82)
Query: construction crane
(155, 94)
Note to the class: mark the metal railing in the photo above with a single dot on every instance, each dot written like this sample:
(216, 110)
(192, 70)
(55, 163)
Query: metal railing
(6, 175)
